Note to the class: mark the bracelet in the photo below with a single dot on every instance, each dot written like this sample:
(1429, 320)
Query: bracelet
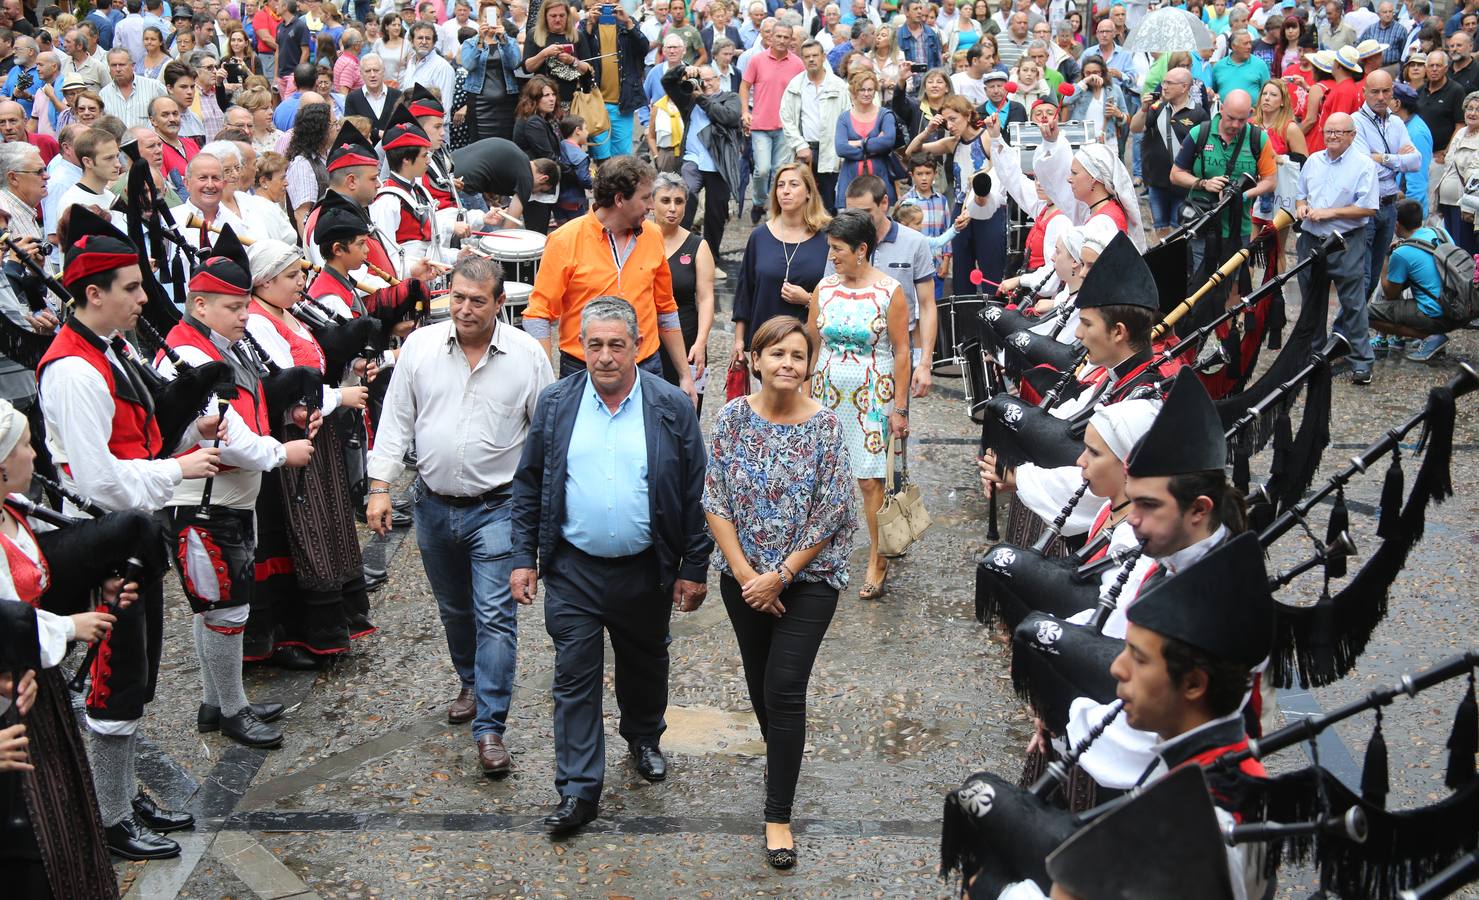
(787, 576)
(384, 490)
(903, 412)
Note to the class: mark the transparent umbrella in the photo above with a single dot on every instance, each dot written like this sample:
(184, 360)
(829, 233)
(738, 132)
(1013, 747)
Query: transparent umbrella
(1168, 30)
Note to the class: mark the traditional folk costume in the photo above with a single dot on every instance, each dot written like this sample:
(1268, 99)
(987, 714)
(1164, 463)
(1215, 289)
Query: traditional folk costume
(440, 177)
(403, 208)
(1221, 606)
(310, 593)
(51, 838)
(351, 150)
(212, 520)
(1052, 164)
(104, 434)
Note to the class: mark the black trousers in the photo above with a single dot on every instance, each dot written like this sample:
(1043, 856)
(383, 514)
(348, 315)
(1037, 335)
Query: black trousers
(778, 654)
(716, 204)
(826, 181)
(587, 595)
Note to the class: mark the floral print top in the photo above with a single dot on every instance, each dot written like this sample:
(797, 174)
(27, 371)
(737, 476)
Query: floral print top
(785, 488)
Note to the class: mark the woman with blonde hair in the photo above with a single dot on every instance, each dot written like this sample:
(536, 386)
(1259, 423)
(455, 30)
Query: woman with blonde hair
(1275, 115)
(784, 258)
(865, 137)
(556, 48)
(258, 102)
(885, 59)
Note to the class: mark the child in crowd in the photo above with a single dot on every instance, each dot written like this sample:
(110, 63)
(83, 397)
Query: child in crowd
(934, 213)
(575, 170)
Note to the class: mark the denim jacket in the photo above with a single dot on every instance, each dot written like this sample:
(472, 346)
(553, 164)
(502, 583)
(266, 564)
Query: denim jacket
(1078, 107)
(474, 58)
(932, 51)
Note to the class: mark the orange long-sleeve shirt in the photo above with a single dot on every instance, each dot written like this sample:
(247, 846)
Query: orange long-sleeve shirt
(579, 266)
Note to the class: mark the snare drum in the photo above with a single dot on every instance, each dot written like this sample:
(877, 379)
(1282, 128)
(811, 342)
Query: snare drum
(439, 309)
(516, 297)
(973, 363)
(956, 323)
(519, 251)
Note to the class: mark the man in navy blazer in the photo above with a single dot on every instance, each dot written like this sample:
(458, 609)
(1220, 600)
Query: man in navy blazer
(608, 508)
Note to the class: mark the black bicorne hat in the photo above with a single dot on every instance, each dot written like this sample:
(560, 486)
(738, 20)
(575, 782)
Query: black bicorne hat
(1124, 853)
(94, 245)
(1119, 277)
(421, 102)
(339, 219)
(1186, 436)
(226, 270)
(1220, 604)
(351, 148)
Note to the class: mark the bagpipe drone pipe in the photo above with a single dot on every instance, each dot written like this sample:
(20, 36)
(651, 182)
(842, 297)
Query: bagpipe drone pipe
(997, 832)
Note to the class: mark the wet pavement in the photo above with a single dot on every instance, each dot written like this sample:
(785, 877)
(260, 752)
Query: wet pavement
(373, 794)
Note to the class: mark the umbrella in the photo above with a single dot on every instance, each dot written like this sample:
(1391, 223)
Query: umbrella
(1168, 30)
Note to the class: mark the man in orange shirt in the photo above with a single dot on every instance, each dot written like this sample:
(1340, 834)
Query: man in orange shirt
(610, 251)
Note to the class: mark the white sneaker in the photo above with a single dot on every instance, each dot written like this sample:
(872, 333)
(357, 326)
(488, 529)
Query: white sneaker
(719, 275)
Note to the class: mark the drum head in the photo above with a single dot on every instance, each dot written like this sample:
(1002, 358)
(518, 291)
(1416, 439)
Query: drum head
(439, 309)
(516, 293)
(512, 244)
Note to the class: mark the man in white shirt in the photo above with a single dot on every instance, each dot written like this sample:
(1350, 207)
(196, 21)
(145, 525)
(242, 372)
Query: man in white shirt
(97, 154)
(61, 173)
(810, 107)
(464, 395)
(447, 43)
(205, 184)
(967, 82)
(424, 66)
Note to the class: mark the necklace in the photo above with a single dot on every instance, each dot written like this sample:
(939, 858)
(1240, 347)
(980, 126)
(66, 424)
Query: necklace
(789, 251)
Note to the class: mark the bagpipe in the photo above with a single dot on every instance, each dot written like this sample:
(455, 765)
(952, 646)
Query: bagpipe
(1000, 832)
(1055, 661)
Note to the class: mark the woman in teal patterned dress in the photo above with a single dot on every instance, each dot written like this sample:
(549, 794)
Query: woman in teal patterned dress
(858, 317)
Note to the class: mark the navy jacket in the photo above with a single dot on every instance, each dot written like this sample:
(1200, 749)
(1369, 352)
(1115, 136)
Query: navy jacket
(675, 479)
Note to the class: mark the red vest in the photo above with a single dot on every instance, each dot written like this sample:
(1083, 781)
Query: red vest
(135, 433)
(1115, 211)
(443, 198)
(377, 258)
(251, 407)
(412, 226)
(30, 579)
(1036, 252)
(305, 350)
(326, 283)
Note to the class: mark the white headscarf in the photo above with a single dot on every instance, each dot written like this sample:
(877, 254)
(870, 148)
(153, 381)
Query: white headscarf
(12, 426)
(269, 258)
(1104, 167)
(1123, 424)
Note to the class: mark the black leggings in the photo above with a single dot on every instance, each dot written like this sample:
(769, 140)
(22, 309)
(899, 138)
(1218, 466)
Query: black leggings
(778, 654)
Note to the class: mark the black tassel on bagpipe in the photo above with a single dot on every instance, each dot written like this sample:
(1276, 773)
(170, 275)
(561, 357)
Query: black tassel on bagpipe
(1340, 523)
(1376, 781)
(1463, 740)
(1392, 492)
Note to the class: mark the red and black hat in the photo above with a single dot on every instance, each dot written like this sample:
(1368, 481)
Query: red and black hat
(339, 219)
(226, 270)
(422, 102)
(403, 132)
(351, 148)
(94, 245)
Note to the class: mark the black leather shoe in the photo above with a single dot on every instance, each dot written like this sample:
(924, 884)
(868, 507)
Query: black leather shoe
(208, 718)
(572, 813)
(131, 840)
(246, 729)
(375, 577)
(651, 764)
(295, 658)
(156, 818)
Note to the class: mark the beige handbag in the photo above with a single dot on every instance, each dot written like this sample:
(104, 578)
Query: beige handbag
(902, 518)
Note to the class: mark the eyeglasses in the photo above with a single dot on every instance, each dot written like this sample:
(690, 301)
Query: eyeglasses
(42, 172)
(1334, 132)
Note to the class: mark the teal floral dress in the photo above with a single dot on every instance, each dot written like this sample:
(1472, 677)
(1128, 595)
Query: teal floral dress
(855, 368)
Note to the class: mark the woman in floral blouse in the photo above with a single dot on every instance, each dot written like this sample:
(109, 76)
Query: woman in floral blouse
(779, 500)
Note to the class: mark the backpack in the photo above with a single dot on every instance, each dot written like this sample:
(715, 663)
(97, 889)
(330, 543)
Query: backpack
(1460, 299)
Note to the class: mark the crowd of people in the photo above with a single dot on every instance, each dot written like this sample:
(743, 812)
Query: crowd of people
(288, 214)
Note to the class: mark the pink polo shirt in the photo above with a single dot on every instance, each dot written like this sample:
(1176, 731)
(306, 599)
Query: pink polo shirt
(768, 78)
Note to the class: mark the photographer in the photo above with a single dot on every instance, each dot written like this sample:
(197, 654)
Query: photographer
(615, 40)
(1166, 118)
(710, 151)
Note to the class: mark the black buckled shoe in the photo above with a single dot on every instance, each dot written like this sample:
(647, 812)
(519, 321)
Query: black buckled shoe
(572, 813)
(208, 718)
(248, 730)
(131, 840)
(651, 764)
(155, 818)
(295, 658)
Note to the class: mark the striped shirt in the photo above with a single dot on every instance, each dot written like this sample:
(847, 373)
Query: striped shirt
(1394, 36)
(133, 109)
(937, 218)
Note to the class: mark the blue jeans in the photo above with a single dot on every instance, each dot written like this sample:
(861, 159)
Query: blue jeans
(769, 148)
(466, 554)
(1383, 226)
(1165, 204)
(617, 141)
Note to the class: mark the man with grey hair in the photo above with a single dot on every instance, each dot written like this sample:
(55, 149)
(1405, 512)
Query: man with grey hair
(22, 185)
(608, 507)
(346, 68)
(831, 18)
(127, 96)
(1461, 66)
(373, 99)
(76, 58)
(449, 375)
(1440, 104)
(205, 188)
(21, 81)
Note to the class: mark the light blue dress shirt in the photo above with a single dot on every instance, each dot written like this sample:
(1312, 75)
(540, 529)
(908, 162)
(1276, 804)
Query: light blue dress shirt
(1386, 134)
(694, 150)
(1327, 184)
(606, 506)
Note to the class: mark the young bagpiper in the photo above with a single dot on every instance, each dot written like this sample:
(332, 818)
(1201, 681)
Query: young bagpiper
(213, 519)
(103, 433)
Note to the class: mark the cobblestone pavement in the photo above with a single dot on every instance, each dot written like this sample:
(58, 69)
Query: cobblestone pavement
(374, 795)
